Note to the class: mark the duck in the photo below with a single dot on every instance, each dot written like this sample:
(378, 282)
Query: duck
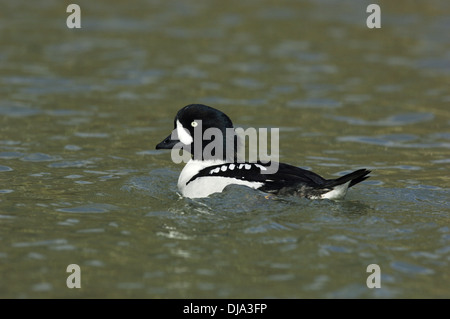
(210, 170)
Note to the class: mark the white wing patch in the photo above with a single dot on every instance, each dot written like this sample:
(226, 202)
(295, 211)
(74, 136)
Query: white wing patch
(214, 171)
(231, 167)
(261, 167)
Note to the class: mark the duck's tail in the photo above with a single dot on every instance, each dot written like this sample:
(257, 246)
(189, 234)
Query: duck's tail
(339, 186)
(354, 177)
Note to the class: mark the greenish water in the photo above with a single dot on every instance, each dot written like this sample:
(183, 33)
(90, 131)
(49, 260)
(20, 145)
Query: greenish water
(82, 110)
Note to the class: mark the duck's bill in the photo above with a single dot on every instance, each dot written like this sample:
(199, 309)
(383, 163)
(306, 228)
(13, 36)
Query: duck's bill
(168, 143)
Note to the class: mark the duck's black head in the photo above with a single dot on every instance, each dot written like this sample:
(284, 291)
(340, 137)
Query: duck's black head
(204, 131)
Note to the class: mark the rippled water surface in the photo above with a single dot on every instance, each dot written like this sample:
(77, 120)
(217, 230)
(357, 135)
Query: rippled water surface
(81, 111)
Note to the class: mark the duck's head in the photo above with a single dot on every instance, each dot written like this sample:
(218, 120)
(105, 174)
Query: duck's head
(205, 132)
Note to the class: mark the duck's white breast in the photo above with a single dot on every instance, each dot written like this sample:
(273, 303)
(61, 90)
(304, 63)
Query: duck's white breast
(206, 185)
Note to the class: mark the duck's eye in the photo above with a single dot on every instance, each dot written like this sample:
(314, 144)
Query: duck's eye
(194, 123)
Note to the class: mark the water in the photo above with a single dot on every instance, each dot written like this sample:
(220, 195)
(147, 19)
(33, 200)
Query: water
(80, 181)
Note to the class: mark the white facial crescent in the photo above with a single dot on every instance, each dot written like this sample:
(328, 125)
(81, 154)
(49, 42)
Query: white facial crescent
(183, 134)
